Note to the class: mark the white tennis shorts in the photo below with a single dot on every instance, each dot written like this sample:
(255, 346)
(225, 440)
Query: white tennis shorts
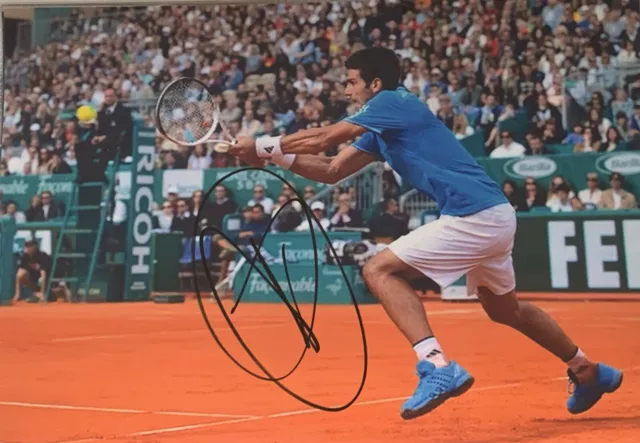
(477, 245)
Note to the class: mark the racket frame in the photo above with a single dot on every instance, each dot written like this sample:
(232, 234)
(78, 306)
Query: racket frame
(217, 120)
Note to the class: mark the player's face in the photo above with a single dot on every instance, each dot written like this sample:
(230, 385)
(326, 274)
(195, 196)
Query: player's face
(357, 90)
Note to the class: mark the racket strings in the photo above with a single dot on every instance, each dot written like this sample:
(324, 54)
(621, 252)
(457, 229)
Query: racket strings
(187, 112)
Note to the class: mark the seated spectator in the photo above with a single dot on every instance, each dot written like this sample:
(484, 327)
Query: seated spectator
(221, 206)
(508, 148)
(288, 217)
(545, 113)
(199, 159)
(555, 182)
(589, 144)
(534, 196)
(260, 197)
(44, 157)
(599, 124)
(613, 140)
(445, 111)
(173, 160)
(461, 128)
(183, 221)
(11, 210)
(590, 196)
(346, 216)
(552, 134)
(33, 271)
(511, 191)
(254, 224)
(635, 121)
(536, 146)
(34, 211)
(470, 95)
(622, 103)
(575, 137)
(561, 201)
(309, 192)
(616, 197)
(623, 127)
(57, 165)
(391, 224)
(628, 54)
(489, 113)
(433, 101)
(4, 168)
(318, 209)
(163, 220)
(51, 209)
(250, 126)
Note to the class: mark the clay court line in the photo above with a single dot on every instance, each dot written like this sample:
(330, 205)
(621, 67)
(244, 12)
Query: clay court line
(120, 411)
(249, 418)
(278, 415)
(152, 334)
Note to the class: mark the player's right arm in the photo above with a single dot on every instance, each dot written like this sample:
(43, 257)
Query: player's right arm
(331, 170)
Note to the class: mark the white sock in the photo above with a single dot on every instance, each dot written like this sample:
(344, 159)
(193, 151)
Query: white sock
(579, 360)
(430, 350)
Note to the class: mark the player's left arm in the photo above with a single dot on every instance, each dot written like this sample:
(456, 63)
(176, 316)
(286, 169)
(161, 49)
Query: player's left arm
(379, 115)
(317, 140)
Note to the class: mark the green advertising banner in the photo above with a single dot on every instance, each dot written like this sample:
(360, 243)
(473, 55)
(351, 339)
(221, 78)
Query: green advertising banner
(299, 245)
(7, 260)
(332, 287)
(240, 185)
(139, 223)
(20, 189)
(578, 252)
(574, 168)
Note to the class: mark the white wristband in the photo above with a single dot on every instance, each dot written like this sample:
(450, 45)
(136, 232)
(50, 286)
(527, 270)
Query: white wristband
(283, 160)
(266, 146)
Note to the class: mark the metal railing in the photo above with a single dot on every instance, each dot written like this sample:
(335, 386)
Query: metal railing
(414, 203)
(365, 186)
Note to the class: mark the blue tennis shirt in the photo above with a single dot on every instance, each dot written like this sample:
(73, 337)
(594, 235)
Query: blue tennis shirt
(403, 132)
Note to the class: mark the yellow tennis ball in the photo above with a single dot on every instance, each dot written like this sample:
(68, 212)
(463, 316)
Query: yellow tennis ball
(86, 114)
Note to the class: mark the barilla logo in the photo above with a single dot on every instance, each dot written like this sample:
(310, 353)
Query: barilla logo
(536, 167)
(626, 163)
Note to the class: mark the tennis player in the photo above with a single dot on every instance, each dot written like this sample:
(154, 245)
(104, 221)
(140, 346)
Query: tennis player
(474, 235)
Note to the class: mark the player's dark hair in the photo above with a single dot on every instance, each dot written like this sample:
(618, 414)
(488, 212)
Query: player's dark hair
(375, 63)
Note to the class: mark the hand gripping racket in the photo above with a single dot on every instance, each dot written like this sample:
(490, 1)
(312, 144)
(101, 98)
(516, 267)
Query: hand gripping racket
(187, 114)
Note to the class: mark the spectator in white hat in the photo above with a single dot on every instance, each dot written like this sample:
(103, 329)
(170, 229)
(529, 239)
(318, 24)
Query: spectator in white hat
(318, 210)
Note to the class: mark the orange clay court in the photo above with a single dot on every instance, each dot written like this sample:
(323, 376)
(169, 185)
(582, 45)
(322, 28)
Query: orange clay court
(152, 373)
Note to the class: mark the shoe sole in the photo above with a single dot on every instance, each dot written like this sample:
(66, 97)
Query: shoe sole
(415, 413)
(610, 391)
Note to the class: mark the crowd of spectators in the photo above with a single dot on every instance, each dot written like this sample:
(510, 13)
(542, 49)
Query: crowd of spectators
(561, 197)
(280, 68)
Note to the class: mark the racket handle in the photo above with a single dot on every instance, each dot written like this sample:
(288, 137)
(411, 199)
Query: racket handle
(225, 142)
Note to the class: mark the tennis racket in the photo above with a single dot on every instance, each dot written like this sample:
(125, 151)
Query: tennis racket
(187, 114)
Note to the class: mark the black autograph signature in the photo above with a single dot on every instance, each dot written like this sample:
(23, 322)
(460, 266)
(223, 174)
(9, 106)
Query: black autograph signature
(306, 329)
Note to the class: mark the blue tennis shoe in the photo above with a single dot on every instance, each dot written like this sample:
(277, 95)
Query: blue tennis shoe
(435, 386)
(585, 395)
